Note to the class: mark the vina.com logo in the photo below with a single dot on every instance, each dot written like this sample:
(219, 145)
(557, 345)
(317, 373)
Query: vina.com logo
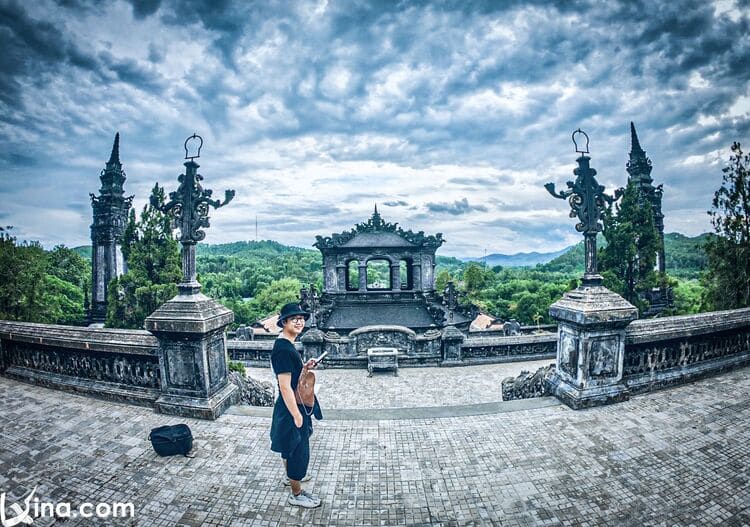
(33, 508)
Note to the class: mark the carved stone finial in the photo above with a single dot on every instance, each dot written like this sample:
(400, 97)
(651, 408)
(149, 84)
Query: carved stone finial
(635, 145)
(114, 157)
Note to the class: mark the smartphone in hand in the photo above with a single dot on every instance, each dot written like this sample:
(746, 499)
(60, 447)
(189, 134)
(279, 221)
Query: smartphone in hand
(323, 356)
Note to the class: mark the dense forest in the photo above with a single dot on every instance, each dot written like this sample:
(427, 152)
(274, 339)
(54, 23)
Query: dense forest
(255, 278)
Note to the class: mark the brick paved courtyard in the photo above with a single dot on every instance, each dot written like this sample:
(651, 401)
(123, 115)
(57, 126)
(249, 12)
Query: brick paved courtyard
(675, 457)
(414, 387)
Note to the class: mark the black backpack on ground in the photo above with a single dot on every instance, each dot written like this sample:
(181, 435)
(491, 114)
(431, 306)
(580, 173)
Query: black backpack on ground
(171, 440)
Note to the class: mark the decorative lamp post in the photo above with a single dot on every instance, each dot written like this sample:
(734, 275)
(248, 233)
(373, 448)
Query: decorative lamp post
(309, 300)
(313, 340)
(189, 206)
(313, 303)
(591, 319)
(451, 337)
(190, 327)
(587, 202)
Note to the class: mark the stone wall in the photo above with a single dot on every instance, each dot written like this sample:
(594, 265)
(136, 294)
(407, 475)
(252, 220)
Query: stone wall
(665, 351)
(114, 364)
(426, 349)
(482, 349)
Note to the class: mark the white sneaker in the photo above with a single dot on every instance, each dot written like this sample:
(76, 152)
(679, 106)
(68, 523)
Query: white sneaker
(304, 499)
(307, 477)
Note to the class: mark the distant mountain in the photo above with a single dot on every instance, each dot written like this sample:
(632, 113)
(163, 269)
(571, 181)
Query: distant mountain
(519, 259)
(252, 249)
(84, 251)
(685, 257)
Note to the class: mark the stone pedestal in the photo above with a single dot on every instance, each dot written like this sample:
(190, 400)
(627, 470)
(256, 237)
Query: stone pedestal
(591, 346)
(312, 344)
(192, 356)
(452, 338)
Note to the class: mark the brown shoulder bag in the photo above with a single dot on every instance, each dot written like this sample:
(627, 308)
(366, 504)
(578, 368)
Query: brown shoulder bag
(305, 392)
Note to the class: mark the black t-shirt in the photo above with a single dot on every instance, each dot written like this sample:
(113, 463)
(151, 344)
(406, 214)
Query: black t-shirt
(286, 359)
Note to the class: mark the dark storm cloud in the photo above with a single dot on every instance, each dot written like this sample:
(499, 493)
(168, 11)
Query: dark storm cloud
(37, 51)
(456, 208)
(32, 49)
(406, 85)
(144, 8)
(131, 72)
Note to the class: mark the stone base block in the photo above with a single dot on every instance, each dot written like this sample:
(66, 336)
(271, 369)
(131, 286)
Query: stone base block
(198, 408)
(578, 398)
(452, 362)
(109, 391)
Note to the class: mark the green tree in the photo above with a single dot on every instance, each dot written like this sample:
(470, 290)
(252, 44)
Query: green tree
(153, 268)
(62, 302)
(441, 280)
(727, 279)
(22, 272)
(40, 286)
(276, 294)
(627, 262)
(476, 277)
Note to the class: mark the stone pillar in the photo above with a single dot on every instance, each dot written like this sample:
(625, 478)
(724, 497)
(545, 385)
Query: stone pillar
(313, 343)
(417, 274)
(340, 278)
(452, 338)
(591, 346)
(363, 277)
(396, 276)
(192, 356)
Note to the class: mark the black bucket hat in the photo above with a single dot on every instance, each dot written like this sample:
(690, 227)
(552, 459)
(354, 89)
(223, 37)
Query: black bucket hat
(291, 310)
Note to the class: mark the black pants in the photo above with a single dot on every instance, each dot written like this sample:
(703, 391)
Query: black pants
(299, 458)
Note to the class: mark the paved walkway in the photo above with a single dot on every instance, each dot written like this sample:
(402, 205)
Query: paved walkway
(675, 457)
(414, 387)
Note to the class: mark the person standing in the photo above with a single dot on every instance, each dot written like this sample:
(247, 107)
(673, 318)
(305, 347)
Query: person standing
(291, 425)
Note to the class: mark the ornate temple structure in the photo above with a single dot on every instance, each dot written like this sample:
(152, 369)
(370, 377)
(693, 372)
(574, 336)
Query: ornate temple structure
(639, 172)
(380, 274)
(110, 217)
(379, 297)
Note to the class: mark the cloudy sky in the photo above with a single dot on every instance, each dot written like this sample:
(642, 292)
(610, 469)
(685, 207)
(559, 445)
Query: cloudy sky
(449, 115)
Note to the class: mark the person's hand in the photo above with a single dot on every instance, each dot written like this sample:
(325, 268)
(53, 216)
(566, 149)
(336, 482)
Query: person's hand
(311, 364)
(298, 420)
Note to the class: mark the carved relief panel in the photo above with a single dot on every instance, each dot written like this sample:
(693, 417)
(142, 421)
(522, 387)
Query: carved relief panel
(603, 356)
(568, 354)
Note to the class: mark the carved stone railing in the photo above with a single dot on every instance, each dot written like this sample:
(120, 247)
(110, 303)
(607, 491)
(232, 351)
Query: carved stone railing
(254, 352)
(665, 351)
(109, 363)
(424, 349)
(476, 349)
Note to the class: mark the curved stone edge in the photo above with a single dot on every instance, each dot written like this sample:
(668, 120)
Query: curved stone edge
(425, 412)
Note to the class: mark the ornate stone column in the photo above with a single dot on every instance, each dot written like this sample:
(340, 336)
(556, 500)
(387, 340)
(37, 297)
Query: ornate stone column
(452, 338)
(363, 276)
(417, 273)
(190, 327)
(396, 276)
(313, 343)
(591, 319)
(110, 211)
(340, 277)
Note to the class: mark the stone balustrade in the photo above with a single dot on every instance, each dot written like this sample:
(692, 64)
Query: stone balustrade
(664, 351)
(124, 365)
(114, 364)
